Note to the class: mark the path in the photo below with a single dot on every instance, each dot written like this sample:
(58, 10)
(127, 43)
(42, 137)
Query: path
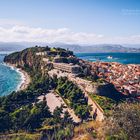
(81, 83)
(95, 107)
(54, 100)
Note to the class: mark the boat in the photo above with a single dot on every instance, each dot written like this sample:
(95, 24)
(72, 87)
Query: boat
(110, 57)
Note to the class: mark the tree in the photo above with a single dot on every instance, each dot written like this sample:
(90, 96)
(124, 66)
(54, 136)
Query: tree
(38, 114)
(125, 121)
(66, 119)
(82, 111)
(19, 116)
(57, 114)
(5, 121)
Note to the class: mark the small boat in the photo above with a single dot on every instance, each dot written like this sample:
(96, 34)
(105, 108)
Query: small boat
(109, 57)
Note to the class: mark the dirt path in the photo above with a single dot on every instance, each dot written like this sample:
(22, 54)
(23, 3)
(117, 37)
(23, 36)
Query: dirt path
(95, 107)
(81, 83)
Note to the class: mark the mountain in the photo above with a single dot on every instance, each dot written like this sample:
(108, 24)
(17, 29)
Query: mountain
(11, 47)
(98, 48)
(132, 45)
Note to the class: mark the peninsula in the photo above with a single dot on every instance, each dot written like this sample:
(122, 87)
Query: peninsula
(69, 98)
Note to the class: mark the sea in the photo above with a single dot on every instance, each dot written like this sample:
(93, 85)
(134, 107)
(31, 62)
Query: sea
(124, 58)
(11, 79)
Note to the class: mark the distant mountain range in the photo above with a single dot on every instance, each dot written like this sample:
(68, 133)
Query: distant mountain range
(101, 48)
(11, 47)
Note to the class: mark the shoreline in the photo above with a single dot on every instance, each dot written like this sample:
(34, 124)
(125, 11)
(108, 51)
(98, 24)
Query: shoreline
(25, 78)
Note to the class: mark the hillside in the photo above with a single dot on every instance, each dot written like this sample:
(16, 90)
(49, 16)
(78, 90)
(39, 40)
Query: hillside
(29, 114)
(99, 48)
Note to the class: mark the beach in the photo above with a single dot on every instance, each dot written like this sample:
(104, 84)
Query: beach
(25, 78)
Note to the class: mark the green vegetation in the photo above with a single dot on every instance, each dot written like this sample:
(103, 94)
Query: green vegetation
(21, 112)
(26, 118)
(124, 123)
(16, 100)
(21, 136)
(90, 77)
(105, 103)
(26, 58)
(74, 97)
(53, 49)
(22, 117)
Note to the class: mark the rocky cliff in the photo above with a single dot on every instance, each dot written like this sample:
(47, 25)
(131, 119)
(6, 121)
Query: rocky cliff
(28, 58)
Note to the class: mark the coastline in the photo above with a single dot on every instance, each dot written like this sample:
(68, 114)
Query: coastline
(25, 78)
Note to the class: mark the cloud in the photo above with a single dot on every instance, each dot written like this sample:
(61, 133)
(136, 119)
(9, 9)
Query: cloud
(18, 33)
(4, 22)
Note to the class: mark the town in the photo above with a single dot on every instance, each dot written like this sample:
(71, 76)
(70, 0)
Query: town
(125, 78)
(70, 90)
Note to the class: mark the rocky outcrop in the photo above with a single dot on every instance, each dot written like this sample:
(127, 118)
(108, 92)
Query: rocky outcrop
(107, 90)
(25, 58)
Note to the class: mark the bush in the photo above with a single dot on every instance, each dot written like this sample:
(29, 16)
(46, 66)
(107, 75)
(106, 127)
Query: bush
(74, 95)
(124, 122)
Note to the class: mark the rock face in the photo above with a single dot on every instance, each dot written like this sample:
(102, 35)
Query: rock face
(28, 57)
(25, 58)
(108, 90)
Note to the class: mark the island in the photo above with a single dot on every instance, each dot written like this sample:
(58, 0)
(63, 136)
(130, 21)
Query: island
(68, 98)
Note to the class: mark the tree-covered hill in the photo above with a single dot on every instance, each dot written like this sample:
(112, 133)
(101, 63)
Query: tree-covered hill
(23, 117)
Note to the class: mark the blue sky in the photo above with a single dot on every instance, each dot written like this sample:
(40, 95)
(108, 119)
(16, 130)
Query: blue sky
(106, 19)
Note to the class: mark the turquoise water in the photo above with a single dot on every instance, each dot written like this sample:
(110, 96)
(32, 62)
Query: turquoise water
(9, 78)
(124, 58)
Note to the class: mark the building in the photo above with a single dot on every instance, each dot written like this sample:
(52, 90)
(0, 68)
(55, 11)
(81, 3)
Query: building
(41, 53)
(70, 68)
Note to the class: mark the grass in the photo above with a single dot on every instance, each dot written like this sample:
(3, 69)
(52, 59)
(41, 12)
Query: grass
(95, 82)
(89, 131)
(22, 136)
(106, 104)
(53, 49)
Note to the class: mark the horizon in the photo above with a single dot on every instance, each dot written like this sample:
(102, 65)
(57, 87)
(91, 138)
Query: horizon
(73, 22)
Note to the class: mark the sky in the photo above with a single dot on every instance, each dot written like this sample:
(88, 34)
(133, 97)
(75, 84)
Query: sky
(70, 21)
